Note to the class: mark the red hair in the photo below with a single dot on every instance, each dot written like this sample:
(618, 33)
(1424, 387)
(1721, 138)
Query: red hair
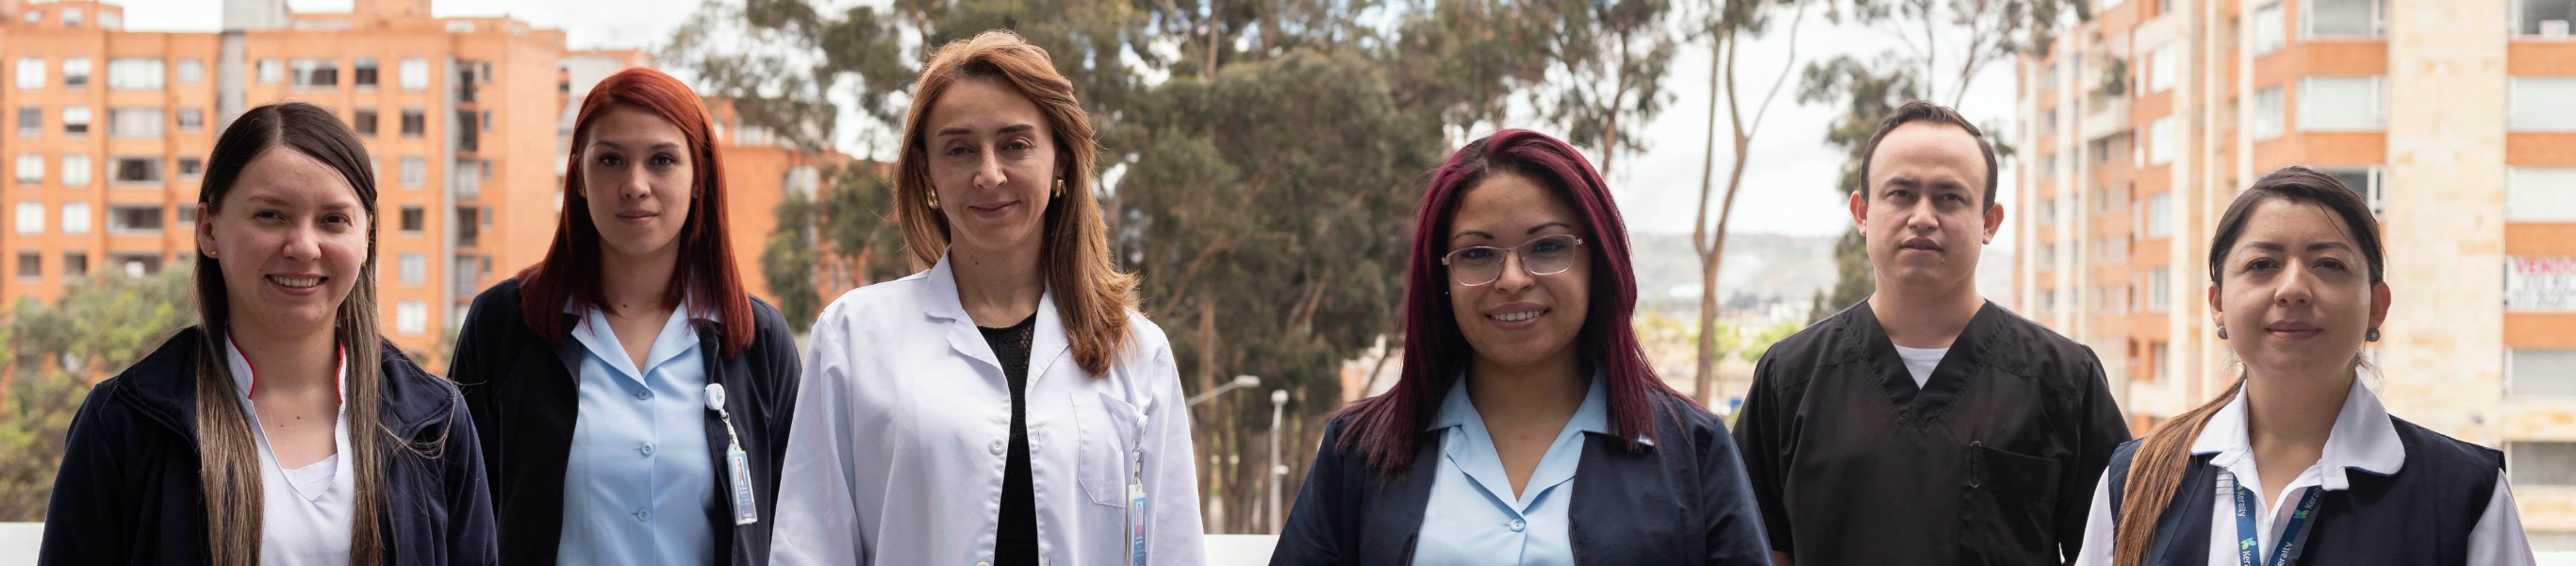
(706, 276)
(1386, 428)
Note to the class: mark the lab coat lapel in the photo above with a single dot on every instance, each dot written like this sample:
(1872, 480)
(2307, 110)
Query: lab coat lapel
(1050, 343)
(939, 301)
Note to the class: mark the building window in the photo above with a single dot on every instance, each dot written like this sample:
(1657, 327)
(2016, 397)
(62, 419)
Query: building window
(2268, 113)
(31, 218)
(31, 122)
(415, 74)
(191, 167)
(2159, 286)
(316, 73)
(2342, 18)
(415, 123)
(76, 72)
(2547, 19)
(31, 266)
(2364, 180)
(272, 71)
(364, 120)
(143, 123)
(2161, 68)
(411, 318)
(2541, 104)
(2541, 463)
(138, 170)
(415, 172)
(31, 73)
(76, 120)
(72, 17)
(414, 220)
(134, 219)
(75, 218)
(191, 71)
(2158, 357)
(136, 74)
(414, 268)
(2160, 141)
(362, 73)
(2540, 371)
(76, 170)
(75, 264)
(2341, 103)
(2531, 194)
(31, 169)
(192, 120)
(2160, 215)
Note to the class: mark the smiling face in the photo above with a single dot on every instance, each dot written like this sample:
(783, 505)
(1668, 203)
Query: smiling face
(1923, 214)
(2295, 292)
(291, 238)
(1519, 320)
(992, 162)
(637, 174)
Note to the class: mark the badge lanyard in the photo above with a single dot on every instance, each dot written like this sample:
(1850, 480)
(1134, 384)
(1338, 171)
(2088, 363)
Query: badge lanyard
(1136, 499)
(745, 511)
(2293, 536)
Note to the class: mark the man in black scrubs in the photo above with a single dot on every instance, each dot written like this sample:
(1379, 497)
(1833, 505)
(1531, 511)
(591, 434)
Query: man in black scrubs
(1926, 425)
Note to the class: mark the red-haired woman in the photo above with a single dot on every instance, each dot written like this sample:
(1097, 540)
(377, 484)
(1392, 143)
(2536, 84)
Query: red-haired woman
(639, 399)
(1007, 406)
(1527, 427)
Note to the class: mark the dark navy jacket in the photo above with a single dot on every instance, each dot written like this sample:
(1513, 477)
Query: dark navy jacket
(525, 392)
(2420, 515)
(128, 492)
(1681, 501)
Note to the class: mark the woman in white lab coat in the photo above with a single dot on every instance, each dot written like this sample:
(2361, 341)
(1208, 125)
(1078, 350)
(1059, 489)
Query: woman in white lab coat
(1008, 405)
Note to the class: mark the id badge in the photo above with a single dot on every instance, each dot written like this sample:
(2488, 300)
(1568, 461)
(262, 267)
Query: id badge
(745, 511)
(1136, 523)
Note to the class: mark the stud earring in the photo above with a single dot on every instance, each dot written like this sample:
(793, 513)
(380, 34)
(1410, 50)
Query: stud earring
(934, 200)
(2222, 332)
(2373, 336)
(1059, 187)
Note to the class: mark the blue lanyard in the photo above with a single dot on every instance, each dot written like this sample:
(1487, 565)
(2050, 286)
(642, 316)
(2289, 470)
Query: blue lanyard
(2293, 536)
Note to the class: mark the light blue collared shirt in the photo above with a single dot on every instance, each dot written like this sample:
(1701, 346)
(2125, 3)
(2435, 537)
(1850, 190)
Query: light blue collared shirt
(1473, 518)
(639, 481)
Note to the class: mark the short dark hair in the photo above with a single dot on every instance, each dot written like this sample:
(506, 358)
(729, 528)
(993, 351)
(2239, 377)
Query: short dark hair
(1925, 111)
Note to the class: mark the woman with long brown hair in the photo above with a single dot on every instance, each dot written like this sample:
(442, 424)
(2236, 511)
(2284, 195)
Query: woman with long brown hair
(281, 429)
(1008, 405)
(2298, 462)
(636, 397)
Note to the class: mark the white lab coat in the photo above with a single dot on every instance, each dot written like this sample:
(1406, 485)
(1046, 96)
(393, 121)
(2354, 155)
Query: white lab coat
(902, 427)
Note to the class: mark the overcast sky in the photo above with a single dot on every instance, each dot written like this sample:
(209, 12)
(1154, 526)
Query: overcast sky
(1788, 191)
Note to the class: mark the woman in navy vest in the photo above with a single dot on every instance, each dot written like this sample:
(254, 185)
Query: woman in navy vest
(1527, 427)
(2298, 463)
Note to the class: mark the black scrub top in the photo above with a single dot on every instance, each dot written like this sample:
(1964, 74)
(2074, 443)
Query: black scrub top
(1991, 461)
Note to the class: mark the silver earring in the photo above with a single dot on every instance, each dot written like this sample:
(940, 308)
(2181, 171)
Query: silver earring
(2222, 332)
(2373, 336)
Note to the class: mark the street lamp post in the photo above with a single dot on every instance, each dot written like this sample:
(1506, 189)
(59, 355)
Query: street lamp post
(1240, 381)
(1278, 405)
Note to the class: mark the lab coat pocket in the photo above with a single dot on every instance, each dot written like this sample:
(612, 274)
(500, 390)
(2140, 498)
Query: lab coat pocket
(2010, 507)
(1110, 430)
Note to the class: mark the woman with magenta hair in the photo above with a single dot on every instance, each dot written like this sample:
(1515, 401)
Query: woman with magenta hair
(1527, 427)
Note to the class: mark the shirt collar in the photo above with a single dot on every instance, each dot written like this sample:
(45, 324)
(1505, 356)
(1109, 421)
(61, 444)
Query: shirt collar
(674, 339)
(1592, 416)
(2363, 438)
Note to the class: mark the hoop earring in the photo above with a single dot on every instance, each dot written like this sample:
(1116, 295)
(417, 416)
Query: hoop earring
(2222, 332)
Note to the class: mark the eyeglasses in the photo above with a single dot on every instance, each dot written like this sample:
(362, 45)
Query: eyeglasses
(1478, 265)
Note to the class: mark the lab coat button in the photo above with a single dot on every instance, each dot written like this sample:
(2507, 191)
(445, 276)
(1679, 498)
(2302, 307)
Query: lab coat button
(998, 446)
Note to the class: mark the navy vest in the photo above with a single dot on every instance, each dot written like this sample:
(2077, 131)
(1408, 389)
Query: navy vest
(2419, 516)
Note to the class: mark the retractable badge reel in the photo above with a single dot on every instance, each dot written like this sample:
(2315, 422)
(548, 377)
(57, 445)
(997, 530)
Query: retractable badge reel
(737, 464)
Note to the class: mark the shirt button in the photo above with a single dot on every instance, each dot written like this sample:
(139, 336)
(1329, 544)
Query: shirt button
(646, 448)
(1516, 525)
(998, 446)
(643, 514)
(642, 394)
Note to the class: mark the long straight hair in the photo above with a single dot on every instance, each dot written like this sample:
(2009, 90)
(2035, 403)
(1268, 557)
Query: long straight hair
(230, 472)
(2156, 470)
(1436, 351)
(706, 275)
(1092, 297)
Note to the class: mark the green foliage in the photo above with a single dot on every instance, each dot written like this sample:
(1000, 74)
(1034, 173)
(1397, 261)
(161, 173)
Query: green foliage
(1758, 344)
(54, 351)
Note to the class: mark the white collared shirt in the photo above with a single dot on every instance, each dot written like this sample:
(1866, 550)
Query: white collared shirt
(903, 423)
(639, 478)
(2362, 438)
(304, 512)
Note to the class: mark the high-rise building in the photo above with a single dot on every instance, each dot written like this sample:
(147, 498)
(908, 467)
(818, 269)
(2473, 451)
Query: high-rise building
(2455, 119)
(104, 133)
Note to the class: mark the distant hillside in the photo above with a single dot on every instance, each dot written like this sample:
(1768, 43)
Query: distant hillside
(1765, 273)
